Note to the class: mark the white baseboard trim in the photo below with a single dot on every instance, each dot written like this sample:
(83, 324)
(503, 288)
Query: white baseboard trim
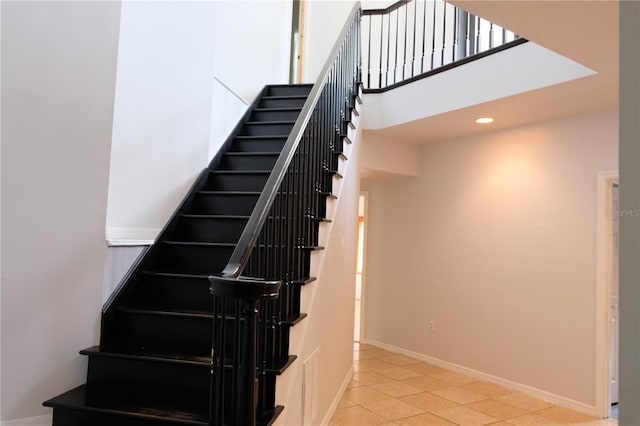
(336, 400)
(131, 236)
(45, 420)
(525, 389)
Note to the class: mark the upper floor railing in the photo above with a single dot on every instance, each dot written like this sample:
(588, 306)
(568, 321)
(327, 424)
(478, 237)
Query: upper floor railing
(413, 38)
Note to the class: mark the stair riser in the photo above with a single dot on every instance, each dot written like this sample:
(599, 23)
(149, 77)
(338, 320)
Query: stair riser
(196, 260)
(178, 294)
(258, 145)
(191, 382)
(158, 333)
(65, 417)
(209, 230)
(236, 182)
(164, 334)
(218, 204)
(282, 103)
(248, 162)
(275, 115)
(289, 90)
(266, 129)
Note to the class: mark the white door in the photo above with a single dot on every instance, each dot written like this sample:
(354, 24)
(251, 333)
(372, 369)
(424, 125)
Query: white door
(614, 295)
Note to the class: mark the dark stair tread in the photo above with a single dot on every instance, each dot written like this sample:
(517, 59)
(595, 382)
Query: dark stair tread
(350, 124)
(267, 109)
(214, 216)
(240, 172)
(346, 138)
(204, 277)
(138, 354)
(308, 85)
(176, 275)
(271, 97)
(294, 319)
(269, 123)
(203, 361)
(260, 137)
(282, 366)
(196, 243)
(115, 403)
(251, 153)
(182, 313)
(305, 281)
(270, 416)
(229, 192)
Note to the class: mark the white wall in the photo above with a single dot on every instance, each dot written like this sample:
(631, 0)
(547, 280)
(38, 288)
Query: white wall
(381, 155)
(166, 100)
(323, 22)
(495, 242)
(226, 110)
(58, 78)
(162, 112)
(253, 43)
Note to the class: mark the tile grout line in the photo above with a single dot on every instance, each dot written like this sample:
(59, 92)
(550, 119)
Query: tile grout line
(399, 372)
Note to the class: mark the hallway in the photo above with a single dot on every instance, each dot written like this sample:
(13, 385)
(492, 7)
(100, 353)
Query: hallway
(393, 389)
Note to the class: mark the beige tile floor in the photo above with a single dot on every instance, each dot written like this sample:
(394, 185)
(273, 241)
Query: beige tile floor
(392, 389)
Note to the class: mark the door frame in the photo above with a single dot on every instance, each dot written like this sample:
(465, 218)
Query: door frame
(606, 179)
(365, 195)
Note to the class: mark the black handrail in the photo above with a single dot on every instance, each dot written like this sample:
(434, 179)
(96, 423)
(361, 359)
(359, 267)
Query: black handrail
(412, 38)
(252, 311)
(253, 228)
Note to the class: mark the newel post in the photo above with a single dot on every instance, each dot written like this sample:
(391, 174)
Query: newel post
(235, 347)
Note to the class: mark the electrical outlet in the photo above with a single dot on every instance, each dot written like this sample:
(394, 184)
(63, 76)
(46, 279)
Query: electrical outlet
(432, 326)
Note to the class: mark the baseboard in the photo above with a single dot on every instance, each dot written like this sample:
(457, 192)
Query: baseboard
(336, 400)
(131, 236)
(525, 389)
(45, 420)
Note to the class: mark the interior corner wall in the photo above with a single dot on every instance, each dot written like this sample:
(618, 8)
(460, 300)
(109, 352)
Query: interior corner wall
(167, 108)
(162, 112)
(495, 241)
(58, 81)
(253, 44)
(323, 22)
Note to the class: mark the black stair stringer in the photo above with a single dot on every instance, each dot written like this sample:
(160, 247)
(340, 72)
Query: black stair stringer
(152, 366)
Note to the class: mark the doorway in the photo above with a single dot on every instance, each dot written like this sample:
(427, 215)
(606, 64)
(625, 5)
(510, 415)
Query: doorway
(607, 296)
(358, 324)
(297, 41)
(613, 285)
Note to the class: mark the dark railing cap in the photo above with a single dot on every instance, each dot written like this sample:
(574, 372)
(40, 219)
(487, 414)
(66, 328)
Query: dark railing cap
(244, 288)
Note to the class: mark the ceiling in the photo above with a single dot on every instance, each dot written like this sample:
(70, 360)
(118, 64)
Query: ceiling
(584, 31)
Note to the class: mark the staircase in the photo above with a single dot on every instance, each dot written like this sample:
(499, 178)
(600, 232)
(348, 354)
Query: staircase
(198, 330)
(153, 365)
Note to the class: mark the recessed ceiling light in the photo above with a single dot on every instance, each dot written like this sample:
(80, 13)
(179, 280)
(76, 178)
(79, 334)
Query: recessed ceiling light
(484, 120)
